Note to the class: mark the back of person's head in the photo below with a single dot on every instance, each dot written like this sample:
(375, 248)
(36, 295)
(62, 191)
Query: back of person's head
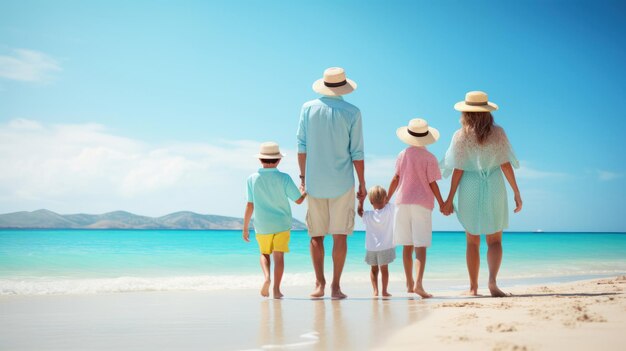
(269, 161)
(377, 194)
(478, 124)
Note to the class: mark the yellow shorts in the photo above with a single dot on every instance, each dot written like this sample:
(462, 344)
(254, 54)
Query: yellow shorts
(269, 243)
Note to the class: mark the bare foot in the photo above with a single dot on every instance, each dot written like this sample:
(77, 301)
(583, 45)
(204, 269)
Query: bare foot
(410, 286)
(375, 292)
(496, 292)
(386, 294)
(337, 294)
(265, 289)
(418, 289)
(319, 291)
(278, 294)
(471, 292)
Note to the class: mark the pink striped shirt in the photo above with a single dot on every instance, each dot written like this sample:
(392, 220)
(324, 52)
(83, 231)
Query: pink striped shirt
(417, 168)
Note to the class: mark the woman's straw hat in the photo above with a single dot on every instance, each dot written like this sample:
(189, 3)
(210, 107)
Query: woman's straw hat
(475, 101)
(334, 83)
(418, 133)
(269, 150)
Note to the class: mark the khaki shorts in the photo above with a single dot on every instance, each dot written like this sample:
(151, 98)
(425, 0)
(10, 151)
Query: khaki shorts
(331, 216)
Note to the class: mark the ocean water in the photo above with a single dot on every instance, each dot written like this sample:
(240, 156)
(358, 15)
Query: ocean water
(102, 261)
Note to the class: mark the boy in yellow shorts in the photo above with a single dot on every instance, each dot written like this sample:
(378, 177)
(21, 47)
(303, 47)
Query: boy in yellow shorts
(269, 192)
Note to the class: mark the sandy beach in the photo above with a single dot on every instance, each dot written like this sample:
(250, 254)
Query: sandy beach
(573, 316)
(583, 315)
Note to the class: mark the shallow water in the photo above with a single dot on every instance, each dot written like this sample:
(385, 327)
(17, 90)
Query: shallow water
(91, 261)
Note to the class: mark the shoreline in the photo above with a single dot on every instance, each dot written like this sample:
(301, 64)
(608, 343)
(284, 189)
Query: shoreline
(537, 317)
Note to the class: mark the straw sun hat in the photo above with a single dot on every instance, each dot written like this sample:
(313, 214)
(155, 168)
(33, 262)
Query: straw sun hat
(334, 83)
(269, 150)
(418, 133)
(475, 101)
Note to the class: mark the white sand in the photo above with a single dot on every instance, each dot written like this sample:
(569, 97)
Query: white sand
(588, 315)
(574, 316)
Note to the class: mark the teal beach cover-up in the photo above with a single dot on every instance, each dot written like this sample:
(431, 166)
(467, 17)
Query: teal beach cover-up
(481, 201)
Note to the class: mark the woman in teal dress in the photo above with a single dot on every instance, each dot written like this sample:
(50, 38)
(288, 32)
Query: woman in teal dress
(479, 155)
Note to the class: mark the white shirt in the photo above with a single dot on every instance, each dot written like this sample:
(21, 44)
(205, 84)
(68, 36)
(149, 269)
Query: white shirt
(379, 228)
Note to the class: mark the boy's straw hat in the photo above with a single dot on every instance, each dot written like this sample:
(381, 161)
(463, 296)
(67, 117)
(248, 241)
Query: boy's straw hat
(475, 101)
(418, 133)
(269, 150)
(334, 83)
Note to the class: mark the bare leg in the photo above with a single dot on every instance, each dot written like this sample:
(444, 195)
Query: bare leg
(420, 264)
(340, 249)
(279, 268)
(265, 265)
(384, 270)
(494, 259)
(317, 256)
(374, 279)
(472, 256)
(407, 260)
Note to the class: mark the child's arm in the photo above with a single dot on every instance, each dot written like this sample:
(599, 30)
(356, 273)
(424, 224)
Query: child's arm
(246, 221)
(456, 179)
(301, 199)
(393, 186)
(507, 169)
(435, 188)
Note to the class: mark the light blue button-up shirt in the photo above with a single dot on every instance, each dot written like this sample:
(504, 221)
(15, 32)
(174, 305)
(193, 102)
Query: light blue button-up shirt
(331, 135)
(270, 191)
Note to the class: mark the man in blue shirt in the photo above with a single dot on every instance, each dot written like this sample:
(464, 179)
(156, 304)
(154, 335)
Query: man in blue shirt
(330, 144)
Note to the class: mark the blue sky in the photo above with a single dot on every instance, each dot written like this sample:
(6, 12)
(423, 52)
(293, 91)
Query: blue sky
(154, 106)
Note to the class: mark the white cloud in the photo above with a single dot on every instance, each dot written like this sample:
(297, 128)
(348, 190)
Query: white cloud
(86, 168)
(607, 175)
(27, 66)
(527, 172)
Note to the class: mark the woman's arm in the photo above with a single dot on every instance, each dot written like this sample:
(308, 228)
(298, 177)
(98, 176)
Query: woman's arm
(507, 169)
(456, 179)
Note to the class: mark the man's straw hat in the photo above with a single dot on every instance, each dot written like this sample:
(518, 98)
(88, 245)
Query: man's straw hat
(418, 133)
(475, 101)
(269, 150)
(334, 83)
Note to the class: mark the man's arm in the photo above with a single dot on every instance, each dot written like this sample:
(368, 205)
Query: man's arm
(359, 166)
(302, 164)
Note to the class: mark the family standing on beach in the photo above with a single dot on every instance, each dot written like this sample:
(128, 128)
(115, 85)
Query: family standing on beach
(330, 146)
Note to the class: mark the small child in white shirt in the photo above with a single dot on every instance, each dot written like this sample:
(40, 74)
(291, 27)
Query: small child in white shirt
(379, 236)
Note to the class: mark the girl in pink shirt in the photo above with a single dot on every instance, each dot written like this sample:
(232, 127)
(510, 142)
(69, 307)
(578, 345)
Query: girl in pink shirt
(417, 172)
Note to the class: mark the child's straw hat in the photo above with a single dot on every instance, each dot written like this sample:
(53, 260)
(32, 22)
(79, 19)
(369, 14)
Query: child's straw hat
(269, 150)
(418, 133)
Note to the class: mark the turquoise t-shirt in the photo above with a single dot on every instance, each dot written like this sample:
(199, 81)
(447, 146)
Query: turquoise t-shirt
(270, 191)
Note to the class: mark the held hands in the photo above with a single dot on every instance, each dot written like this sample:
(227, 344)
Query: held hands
(362, 194)
(360, 209)
(518, 202)
(447, 208)
(246, 235)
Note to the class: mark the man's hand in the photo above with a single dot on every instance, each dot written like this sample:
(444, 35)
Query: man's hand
(362, 194)
(246, 235)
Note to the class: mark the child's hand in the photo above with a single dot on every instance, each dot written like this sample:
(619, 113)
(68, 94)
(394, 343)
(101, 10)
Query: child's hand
(447, 208)
(246, 235)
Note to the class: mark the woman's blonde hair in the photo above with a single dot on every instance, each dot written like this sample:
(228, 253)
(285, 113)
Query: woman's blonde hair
(479, 124)
(377, 194)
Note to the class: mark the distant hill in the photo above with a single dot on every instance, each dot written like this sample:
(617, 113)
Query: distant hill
(45, 219)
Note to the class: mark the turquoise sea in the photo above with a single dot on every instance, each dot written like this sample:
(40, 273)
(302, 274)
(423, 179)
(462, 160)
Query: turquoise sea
(94, 261)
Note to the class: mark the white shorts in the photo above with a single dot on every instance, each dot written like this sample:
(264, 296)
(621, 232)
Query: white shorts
(413, 226)
(331, 216)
